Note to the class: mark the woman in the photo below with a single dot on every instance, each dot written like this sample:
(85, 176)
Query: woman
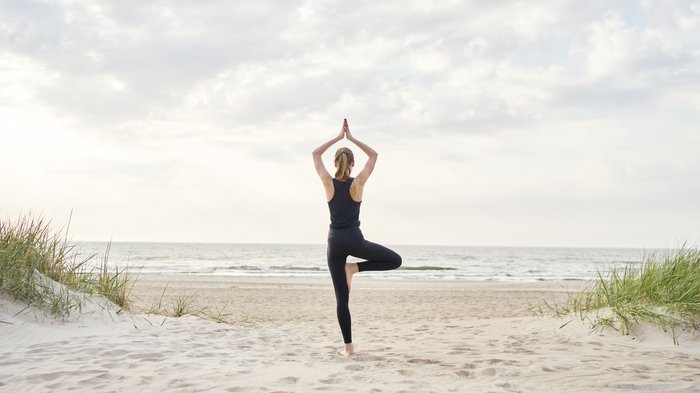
(344, 196)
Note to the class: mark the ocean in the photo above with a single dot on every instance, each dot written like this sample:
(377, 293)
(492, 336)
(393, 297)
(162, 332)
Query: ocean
(433, 262)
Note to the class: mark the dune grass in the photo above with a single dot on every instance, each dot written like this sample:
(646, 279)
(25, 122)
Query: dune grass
(664, 290)
(186, 305)
(32, 256)
(41, 268)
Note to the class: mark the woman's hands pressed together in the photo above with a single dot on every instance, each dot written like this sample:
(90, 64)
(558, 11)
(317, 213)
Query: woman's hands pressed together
(346, 130)
(342, 131)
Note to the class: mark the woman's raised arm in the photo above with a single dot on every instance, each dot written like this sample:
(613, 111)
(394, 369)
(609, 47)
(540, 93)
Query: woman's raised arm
(320, 168)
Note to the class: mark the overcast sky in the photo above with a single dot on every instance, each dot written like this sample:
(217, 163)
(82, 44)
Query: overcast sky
(549, 123)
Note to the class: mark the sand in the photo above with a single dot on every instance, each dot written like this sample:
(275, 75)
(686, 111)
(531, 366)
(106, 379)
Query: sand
(282, 336)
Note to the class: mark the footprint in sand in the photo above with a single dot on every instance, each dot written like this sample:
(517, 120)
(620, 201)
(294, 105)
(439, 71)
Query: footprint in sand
(248, 362)
(99, 378)
(111, 366)
(115, 352)
(52, 376)
(644, 386)
(640, 367)
(241, 389)
(202, 355)
(147, 357)
(490, 372)
(331, 380)
(355, 367)
(289, 379)
(369, 358)
(179, 383)
(424, 361)
(460, 350)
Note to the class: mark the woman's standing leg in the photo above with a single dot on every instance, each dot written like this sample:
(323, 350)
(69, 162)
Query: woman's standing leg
(336, 265)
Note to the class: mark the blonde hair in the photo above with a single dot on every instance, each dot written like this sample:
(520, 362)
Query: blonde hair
(343, 160)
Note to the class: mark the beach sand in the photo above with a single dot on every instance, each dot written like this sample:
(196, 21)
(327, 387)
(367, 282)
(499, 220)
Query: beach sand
(283, 336)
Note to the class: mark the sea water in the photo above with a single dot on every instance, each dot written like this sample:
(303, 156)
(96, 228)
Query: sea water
(435, 262)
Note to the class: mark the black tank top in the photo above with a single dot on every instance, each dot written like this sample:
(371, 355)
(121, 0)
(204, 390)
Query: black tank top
(345, 212)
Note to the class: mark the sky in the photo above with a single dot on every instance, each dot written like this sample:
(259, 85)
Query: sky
(501, 123)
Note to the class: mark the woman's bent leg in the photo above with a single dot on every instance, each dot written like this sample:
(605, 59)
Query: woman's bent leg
(377, 257)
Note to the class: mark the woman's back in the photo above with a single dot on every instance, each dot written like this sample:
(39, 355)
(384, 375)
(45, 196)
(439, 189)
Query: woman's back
(345, 212)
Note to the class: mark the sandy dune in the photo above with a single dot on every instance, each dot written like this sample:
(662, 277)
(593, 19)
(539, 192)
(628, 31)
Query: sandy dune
(420, 336)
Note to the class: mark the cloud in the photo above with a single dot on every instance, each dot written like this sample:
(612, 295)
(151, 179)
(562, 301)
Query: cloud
(455, 66)
(504, 104)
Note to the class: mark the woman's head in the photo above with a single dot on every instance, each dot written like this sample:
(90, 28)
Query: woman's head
(344, 161)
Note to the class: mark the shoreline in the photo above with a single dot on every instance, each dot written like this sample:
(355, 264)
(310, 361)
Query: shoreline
(359, 281)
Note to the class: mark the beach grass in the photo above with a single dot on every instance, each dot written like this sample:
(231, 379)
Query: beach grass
(663, 290)
(184, 305)
(40, 267)
(115, 284)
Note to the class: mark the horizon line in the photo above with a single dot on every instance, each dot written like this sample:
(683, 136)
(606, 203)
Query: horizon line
(683, 245)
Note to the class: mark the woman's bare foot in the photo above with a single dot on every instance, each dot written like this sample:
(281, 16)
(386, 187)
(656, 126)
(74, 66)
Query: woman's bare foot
(350, 269)
(349, 350)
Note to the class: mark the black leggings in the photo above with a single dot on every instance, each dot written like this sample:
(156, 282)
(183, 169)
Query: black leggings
(349, 241)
